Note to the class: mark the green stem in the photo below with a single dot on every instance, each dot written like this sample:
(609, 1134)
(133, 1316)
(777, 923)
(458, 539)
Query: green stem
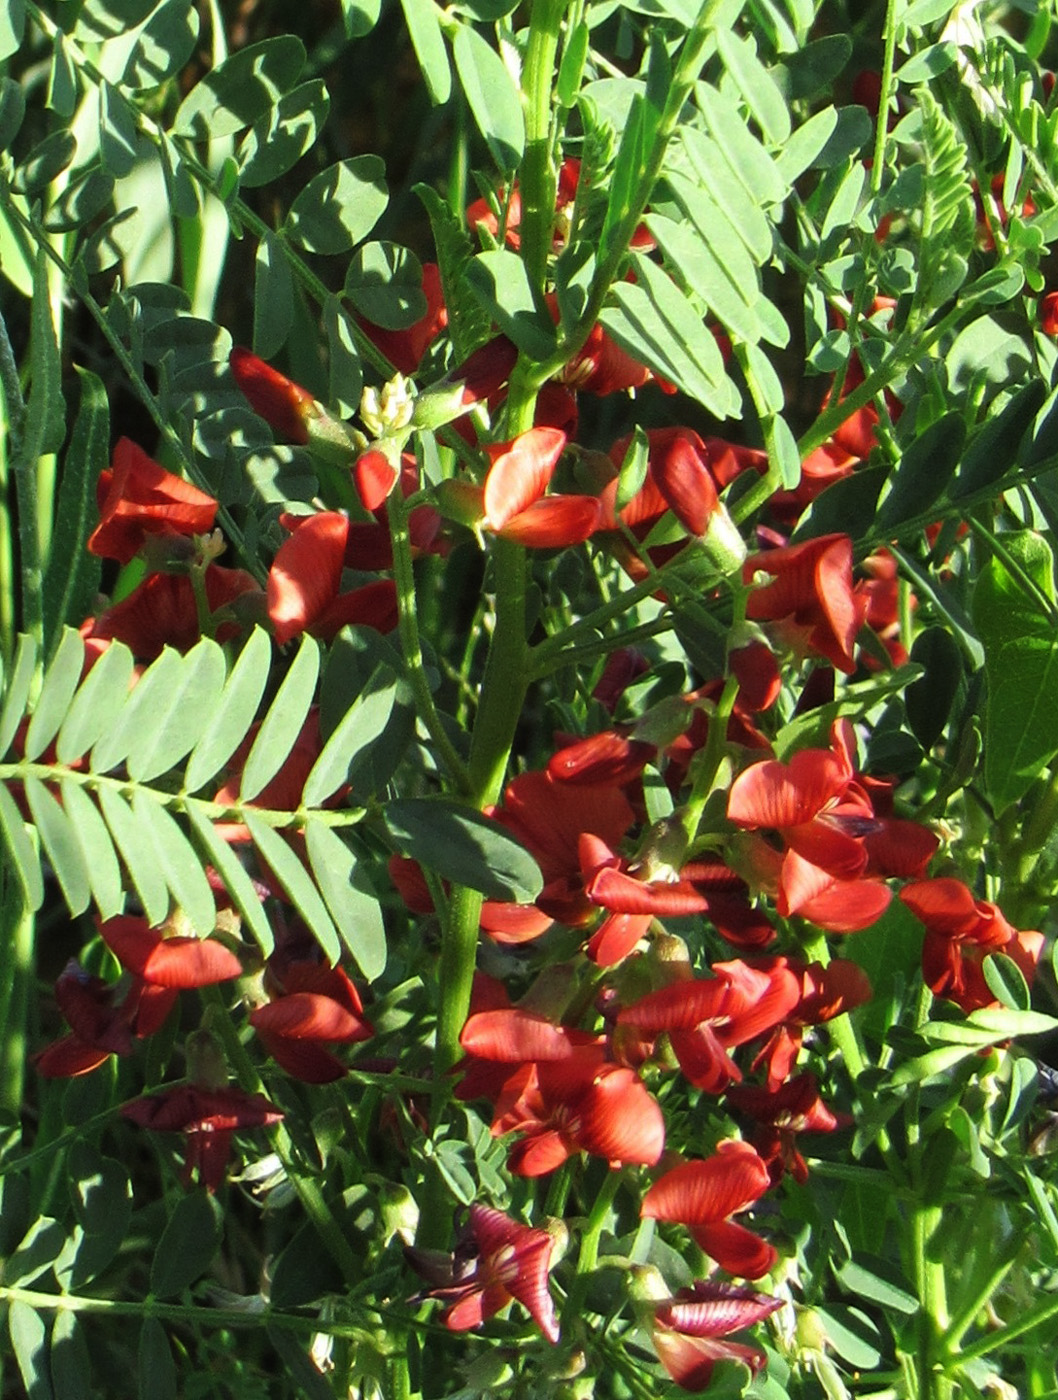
(1001, 1338)
(404, 577)
(967, 1314)
(933, 1302)
(881, 129)
(17, 926)
(537, 176)
(588, 1256)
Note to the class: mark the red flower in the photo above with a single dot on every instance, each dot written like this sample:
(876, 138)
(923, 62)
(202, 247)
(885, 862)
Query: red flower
(704, 1195)
(826, 992)
(162, 612)
(304, 583)
(314, 1006)
(678, 478)
(783, 1112)
(497, 1262)
(960, 932)
(689, 1330)
(812, 598)
(822, 815)
(101, 1026)
(209, 1118)
(514, 503)
(1048, 313)
(138, 498)
(285, 406)
(176, 962)
(706, 1017)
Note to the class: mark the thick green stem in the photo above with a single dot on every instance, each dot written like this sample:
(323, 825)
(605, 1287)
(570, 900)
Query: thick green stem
(933, 1384)
(537, 181)
(17, 929)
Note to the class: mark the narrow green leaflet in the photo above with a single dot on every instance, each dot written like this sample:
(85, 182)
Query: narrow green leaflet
(240, 89)
(60, 682)
(117, 132)
(726, 284)
(234, 713)
(180, 715)
(745, 157)
(99, 698)
(424, 27)
(339, 206)
(178, 861)
(35, 1252)
(45, 424)
(491, 95)
(755, 84)
(63, 849)
(716, 204)
(16, 690)
(97, 848)
(29, 1342)
(147, 696)
(137, 851)
(62, 79)
(71, 1363)
(282, 724)
(273, 303)
(237, 882)
(361, 725)
(993, 451)
(655, 323)
(296, 883)
(355, 910)
(463, 846)
(162, 46)
(12, 27)
(468, 322)
(72, 575)
(1020, 640)
(919, 478)
(157, 1370)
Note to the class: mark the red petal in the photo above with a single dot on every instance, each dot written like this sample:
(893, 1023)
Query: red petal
(714, 1309)
(306, 574)
(690, 1360)
(736, 1249)
(143, 499)
(306, 1060)
(520, 475)
(517, 1036)
(616, 937)
(310, 1016)
(684, 480)
(375, 477)
(189, 962)
(283, 405)
(69, 1057)
(776, 795)
(553, 523)
(699, 1193)
(619, 1120)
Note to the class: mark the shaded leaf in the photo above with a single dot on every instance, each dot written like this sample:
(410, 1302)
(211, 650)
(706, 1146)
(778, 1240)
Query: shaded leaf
(424, 27)
(188, 1244)
(362, 724)
(20, 850)
(18, 683)
(235, 93)
(72, 576)
(491, 95)
(29, 1341)
(463, 846)
(339, 206)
